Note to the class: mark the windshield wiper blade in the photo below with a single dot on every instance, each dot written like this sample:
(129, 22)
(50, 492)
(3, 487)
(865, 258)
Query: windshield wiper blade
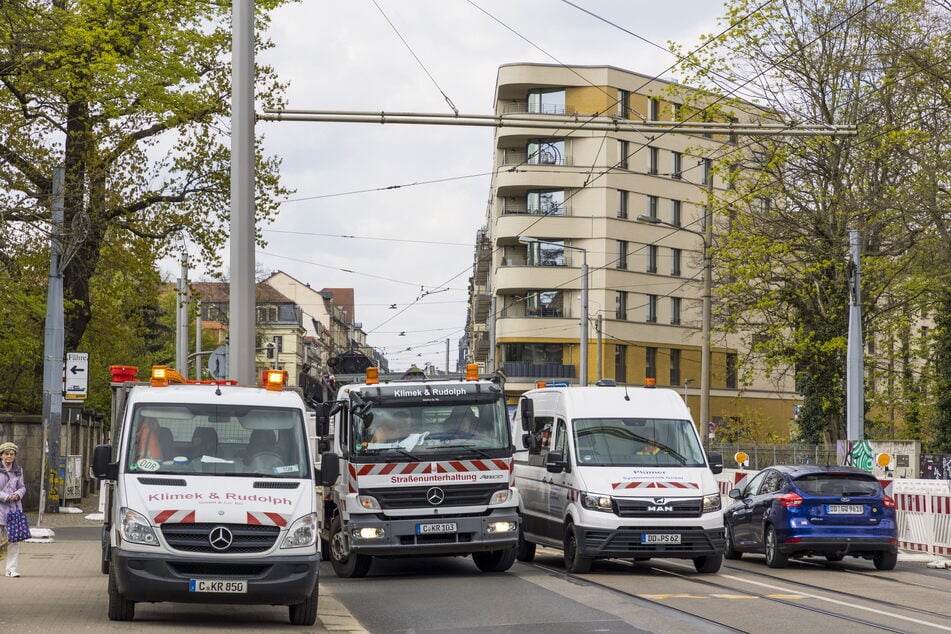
(398, 450)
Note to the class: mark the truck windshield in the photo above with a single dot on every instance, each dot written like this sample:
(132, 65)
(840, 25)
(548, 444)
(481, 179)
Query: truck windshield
(636, 442)
(410, 430)
(189, 438)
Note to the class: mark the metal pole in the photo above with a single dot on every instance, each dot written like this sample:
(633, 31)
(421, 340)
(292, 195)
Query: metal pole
(181, 322)
(53, 356)
(707, 304)
(600, 340)
(198, 351)
(855, 370)
(241, 301)
(584, 317)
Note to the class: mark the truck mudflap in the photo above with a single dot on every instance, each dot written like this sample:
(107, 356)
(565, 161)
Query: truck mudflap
(155, 577)
(641, 541)
(439, 535)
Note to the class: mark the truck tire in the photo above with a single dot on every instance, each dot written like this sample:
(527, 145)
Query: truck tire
(526, 550)
(495, 560)
(120, 608)
(104, 561)
(346, 564)
(708, 564)
(304, 613)
(574, 562)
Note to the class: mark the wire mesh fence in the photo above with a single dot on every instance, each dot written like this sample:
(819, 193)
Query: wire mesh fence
(763, 455)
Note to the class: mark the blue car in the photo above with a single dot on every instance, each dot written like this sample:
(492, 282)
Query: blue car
(798, 510)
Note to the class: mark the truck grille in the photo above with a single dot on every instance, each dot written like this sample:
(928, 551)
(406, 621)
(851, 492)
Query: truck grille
(194, 538)
(415, 497)
(651, 507)
(627, 540)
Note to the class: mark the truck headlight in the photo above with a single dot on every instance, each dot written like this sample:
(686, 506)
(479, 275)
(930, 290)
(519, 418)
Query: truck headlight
(368, 502)
(595, 502)
(501, 496)
(711, 502)
(136, 529)
(302, 533)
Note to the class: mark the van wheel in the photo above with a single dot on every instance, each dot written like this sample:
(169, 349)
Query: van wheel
(885, 560)
(774, 558)
(708, 564)
(729, 550)
(304, 613)
(345, 563)
(526, 550)
(120, 608)
(494, 560)
(574, 562)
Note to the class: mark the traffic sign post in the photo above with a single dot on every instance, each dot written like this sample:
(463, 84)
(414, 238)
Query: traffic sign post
(76, 376)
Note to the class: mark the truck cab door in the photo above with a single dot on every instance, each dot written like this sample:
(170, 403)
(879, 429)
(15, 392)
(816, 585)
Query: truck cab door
(559, 484)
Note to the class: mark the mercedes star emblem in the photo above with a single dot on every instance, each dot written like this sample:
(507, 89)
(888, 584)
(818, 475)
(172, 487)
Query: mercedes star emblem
(220, 538)
(435, 496)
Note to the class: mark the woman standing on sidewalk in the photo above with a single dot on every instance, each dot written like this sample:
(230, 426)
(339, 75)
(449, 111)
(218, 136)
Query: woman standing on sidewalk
(12, 490)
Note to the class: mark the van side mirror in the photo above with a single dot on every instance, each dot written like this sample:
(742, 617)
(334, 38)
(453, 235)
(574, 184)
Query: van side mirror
(528, 414)
(556, 462)
(102, 465)
(715, 459)
(530, 442)
(323, 418)
(329, 468)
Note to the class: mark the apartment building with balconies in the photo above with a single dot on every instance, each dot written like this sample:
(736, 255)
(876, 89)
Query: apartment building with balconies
(576, 183)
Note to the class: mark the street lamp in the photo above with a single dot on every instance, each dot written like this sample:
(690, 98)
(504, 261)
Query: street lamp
(583, 338)
(707, 236)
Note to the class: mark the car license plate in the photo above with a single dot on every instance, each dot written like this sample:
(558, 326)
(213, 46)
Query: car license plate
(660, 538)
(220, 586)
(432, 529)
(846, 509)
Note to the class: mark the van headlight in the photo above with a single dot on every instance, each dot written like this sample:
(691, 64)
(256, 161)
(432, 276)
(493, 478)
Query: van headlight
(136, 529)
(596, 502)
(302, 533)
(711, 503)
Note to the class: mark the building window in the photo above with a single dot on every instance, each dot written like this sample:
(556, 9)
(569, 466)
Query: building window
(622, 254)
(652, 206)
(623, 198)
(546, 152)
(546, 203)
(545, 304)
(676, 207)
(625, 152)
(654, 112)
(675, 366)
(676, 255)
(731, 370)
(546, 101)
(654, 157)
(548, 253)
(620, 309)
(675, 304)
(651, 258)
(677, 112)
(533, 353)
(650, 361)
(623, 100)
(620, 363)
(652, 308)
(266, 314)
(678, 165)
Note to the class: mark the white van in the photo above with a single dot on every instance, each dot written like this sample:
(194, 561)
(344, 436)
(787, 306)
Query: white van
(608, 471)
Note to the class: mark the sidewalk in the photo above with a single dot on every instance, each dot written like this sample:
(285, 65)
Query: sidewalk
(66, 565)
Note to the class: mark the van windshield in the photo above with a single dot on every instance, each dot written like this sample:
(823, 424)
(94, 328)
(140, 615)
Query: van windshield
(636, 442)
(191, 438)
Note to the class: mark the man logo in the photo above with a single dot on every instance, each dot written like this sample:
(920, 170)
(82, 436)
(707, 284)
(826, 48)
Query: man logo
(435, 496)
(220, 538)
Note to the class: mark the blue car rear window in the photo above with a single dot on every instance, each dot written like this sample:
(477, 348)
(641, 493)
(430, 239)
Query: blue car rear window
(848, 484)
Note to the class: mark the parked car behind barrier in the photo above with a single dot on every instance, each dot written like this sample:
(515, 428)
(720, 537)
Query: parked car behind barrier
(799, 510)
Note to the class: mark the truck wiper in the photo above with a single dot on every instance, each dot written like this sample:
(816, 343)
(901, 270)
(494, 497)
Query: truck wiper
(398, 450)
(476, 450)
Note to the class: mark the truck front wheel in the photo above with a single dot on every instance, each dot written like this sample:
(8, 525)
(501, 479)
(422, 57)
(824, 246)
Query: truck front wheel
(305, 613)
(120, 608)
(574, 561)
(495, 560)
(345, 563)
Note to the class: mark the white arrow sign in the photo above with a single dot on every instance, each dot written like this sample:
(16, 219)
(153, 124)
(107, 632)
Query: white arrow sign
(76, 376)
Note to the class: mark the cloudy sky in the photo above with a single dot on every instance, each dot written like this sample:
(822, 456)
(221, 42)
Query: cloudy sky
(392, 211)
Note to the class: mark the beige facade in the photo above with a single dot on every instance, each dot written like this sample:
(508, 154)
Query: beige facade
(578, 192)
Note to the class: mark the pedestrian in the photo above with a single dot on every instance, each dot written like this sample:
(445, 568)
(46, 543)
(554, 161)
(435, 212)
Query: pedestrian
(12, 490)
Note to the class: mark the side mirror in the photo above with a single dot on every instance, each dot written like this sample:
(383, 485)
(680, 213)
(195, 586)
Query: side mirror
(323, 418)
(735, 494)
(528, 414)
(530, 442)
(329, 468)
(556, 462)
(102, 465)
(715, 459)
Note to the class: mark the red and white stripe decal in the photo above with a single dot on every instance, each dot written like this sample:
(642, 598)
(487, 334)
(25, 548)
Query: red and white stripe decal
(175, 516)
(654, 484)
(415, 468)
(264, 518)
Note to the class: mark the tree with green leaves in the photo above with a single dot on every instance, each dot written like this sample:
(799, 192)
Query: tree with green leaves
(782, 251)
(132, 97)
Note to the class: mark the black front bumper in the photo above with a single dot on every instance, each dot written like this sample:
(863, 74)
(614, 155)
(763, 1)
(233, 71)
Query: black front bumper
(625, 542)
(147, 577)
